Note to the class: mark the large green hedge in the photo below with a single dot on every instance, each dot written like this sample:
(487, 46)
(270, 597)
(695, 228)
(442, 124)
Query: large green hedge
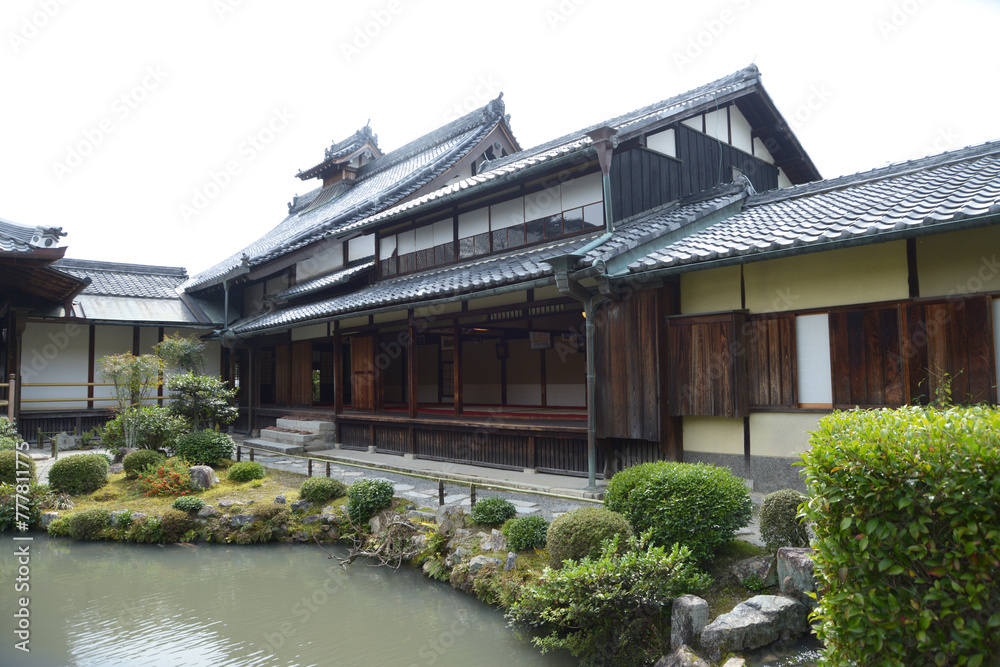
(906, 505)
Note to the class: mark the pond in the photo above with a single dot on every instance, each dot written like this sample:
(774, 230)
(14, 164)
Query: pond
(117, 604)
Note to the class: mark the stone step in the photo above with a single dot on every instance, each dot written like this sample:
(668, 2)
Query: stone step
(321, 427)
(301, 439)
(280, 447)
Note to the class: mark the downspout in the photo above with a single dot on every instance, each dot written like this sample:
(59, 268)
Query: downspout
(605, 141)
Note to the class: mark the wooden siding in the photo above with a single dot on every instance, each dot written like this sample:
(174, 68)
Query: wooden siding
(301, 372)
(363, 373)
(627, 363)
(950, 340)
(642, 179)
(865, 358)
(282, 375)
(708, 371)
(771, 371)
(703, 167)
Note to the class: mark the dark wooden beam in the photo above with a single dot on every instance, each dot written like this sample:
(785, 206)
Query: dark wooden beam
(456, 356)
(411, 366)
(338, 370)
(91, 360)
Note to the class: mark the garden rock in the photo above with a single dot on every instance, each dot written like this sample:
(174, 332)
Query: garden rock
(795, 574)
(123, 452)
(735, 662)
(49, 517)
(116, 468)
(208, 512)
(65, 441)
(479, 562)
(762, 566)
(238, 520)
(280, 500)
(417, 515)
(327, 518)
(203, 477)
(450, 518)
(229, 503)
(300, 505)
(312, 518)
(682, 656)
(511, 561)
(495, 541)
(756, 622)
(688, 618)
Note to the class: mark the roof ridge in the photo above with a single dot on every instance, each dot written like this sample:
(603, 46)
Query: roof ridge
(891, 170)
(120, 267)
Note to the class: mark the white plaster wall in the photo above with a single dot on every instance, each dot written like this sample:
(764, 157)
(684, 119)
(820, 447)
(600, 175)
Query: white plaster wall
(309, 332)
(710, 291)
(663, 142)
(542, 203)
(783, 181)
(507, 214)
(524, 394)
(109, 340)
(425, 237)
(713, 435)
(148, 338)
(325, 260)
(444, 232)
(585, 190)
(55, 353)
(742, 137)
(760, 151)
(812, 358)
(963, 262)
(473, 222)
(213, 350)
(694, 122)
(360, 247)
(783, 434)
(407, 241)
(717, 126)
(387, 246)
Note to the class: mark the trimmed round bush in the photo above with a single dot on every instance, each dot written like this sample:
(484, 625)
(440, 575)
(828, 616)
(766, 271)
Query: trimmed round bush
(367, 497)
(779, 522)
(174, 523)
(188, 503)
(580, 532)
(527, 532)
(322, 489)
(493, 511)
(79, 474)
(696, 505)
(245, 471)
(9, 467)
(88, 524)
(137, 461)
(204, 448)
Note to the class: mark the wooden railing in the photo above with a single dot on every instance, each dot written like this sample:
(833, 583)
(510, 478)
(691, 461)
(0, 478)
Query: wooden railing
(11, 387)
(90, 400)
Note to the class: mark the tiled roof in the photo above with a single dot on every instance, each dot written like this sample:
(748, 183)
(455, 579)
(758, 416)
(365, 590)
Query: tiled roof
(14, 237)
(379, 184)
(130, 280)
(342, 149)
(323, 282)
(473, 276)
(676, 107)
(906, 198)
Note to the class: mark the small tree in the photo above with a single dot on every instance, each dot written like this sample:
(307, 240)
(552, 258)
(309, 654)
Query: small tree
(182, 354)
(135, 379)
(202, 399)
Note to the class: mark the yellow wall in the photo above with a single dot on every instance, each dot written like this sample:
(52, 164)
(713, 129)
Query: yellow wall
(835, 278)
(713, 435)
(710, 291)
(960, 262)
(781, 433)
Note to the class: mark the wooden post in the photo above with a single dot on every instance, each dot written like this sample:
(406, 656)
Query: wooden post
(472, 495)
(309, 467)
(456, 356)
(251, 454)
(440, 492)
(91, 362)
(411, 367)
(10, 396)
(327, 468)
(239, 453)
(338, 370)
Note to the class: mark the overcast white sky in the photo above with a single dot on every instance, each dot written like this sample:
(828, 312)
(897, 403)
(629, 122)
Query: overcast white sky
(117, 113)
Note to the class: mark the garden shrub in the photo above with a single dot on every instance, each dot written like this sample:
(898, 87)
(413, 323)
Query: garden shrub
(204, 448)
(321, 489)
(697, 505)
(188, 503)
(493, 511)
(580, 532)
(906, 506)
(174, 523)
(76, 475)
(59, 528)
(203, 400)
(10, 465)
(89, 524)
(780, 525)
(171, 478)
(612, 610)
(33, 499)
(144, 530)
(246, 471)
(526, 532)
(9, 437)
(273, 513)
(137, 461)
(367, 497)
(155, 428)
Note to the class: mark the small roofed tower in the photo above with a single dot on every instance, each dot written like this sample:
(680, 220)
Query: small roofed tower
(342, 160)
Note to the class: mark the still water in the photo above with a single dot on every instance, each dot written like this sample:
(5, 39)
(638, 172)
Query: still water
(116, 604)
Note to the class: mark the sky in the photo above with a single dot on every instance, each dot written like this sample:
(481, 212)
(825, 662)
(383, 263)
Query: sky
(170, 133)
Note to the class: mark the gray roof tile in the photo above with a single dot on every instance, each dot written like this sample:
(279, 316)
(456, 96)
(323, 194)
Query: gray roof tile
(129, 280)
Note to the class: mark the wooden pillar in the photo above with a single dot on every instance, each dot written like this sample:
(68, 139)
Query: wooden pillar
(91, 361)
(456, 356)
(338, 370)
(411, 366)
(541, 368)
(136, 350)
(503, 374)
